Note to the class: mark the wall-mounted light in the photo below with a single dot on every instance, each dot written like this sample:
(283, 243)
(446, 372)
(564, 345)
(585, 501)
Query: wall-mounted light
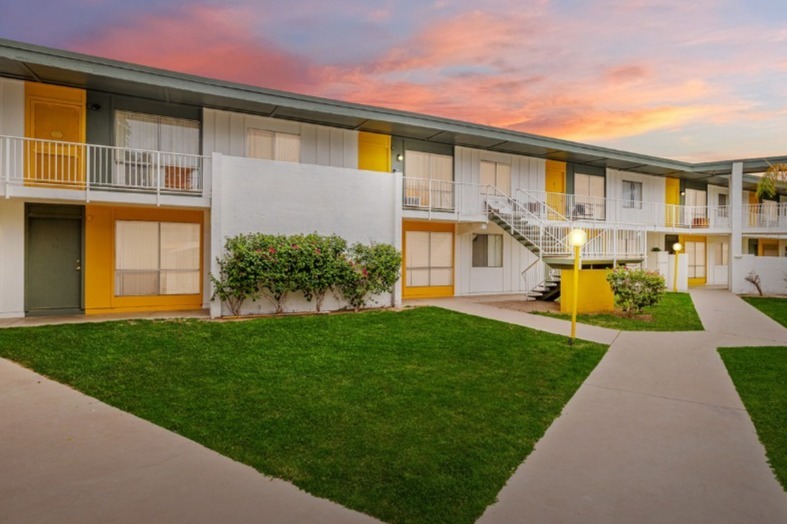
(95, 107)
(682, 193)
(399, 157)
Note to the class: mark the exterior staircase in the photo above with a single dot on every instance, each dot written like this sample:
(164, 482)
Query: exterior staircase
(522, 222)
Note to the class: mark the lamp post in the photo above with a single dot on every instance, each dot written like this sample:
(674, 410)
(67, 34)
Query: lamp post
(577, 238)
(676, 247)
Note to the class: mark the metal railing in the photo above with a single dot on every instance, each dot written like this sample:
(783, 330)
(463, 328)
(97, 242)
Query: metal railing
(70, 165)
(764, 216)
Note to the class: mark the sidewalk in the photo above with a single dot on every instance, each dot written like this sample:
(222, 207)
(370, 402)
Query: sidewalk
(67, 458)
(656, 434)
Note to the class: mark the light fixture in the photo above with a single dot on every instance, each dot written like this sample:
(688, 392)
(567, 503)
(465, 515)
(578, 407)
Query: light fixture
(676, 247)
(399, 157)
(682, 193)
(577, 238)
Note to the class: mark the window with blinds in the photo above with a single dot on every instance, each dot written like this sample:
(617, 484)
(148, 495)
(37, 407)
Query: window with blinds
(632, 194)
(152, 145)
(273, 145)
(496, 175)
(156, 258)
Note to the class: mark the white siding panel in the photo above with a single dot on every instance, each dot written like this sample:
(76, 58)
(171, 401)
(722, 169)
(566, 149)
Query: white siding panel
(12, 263)
(12, 107)
(225, 132)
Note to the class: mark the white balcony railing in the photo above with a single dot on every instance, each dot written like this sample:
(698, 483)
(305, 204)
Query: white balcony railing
(68, 165)
(765, 216)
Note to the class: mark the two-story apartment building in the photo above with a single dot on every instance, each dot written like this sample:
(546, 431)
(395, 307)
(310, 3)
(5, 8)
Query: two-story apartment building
(119, 184)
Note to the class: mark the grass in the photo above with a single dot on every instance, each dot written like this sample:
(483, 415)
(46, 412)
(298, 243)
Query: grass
(776, 308)
(413, 416)
(675, 312)
(758, 374)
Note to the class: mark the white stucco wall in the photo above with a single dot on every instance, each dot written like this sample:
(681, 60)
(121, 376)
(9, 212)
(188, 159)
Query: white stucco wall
(287, 198)
(12, 261)
(225, 132)
(506, 279)
(772, 272)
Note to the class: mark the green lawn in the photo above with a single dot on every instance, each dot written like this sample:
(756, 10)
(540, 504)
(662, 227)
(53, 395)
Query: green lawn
(776, 308)
(412, 416)
(675, 312)
(759, 376)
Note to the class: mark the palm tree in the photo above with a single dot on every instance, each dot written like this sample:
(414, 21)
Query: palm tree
(775, 174)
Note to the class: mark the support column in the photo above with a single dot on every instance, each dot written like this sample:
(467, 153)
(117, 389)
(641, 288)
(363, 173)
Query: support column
(736, 219)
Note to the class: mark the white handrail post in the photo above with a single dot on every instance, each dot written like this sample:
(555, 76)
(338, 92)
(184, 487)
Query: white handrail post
(7, 155)
(88, 166)
(158, 178)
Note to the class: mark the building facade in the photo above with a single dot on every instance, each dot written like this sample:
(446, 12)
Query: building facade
(120, 183)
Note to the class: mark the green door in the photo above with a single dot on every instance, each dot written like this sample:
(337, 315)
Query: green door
(53, 276)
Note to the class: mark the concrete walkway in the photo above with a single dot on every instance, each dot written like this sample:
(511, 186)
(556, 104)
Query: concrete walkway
(68, 458)
(656, 434)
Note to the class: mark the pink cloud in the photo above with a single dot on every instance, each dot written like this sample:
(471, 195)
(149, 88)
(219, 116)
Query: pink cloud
(205, 41)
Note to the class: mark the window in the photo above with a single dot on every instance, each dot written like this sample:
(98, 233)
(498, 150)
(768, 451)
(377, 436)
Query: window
(632, 194)
(696, 207)
(487, 250)
(429, 180)
(156, 258)
(589, 197)
(143, 135)
(272, 145)
(496, 175)
(696, 255)
(429, 259)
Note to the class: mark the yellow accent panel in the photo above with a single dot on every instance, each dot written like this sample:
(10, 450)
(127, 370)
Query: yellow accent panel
(55, 113)
(432, 291)
(672, 198)
(374, 152)
(771, 245)
(100, 260)
(555, 182)
(595, 295)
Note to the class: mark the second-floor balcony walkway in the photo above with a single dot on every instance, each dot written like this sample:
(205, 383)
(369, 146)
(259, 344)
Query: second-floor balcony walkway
(88, 172)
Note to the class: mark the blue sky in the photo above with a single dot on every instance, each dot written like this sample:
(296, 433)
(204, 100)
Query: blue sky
(698, 80)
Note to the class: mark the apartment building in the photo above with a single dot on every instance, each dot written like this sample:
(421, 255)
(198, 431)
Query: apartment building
(119, 184)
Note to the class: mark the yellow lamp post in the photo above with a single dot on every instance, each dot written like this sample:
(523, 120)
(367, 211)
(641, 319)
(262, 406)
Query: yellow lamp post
(676, 247)
(577, 238)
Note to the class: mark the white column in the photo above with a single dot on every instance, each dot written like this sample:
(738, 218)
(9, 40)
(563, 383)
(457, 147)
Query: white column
(736, 219)
(216, 234)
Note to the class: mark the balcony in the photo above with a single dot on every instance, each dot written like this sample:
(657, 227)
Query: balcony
(35, 168)
(463, 201)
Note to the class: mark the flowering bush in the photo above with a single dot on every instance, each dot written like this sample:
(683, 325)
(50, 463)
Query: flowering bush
(369, 270)
(273, 266)
(635, 289)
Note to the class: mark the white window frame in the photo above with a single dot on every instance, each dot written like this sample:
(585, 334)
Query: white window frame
(500, 176)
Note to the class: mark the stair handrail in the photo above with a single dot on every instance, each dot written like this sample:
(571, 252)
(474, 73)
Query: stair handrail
(521, 214)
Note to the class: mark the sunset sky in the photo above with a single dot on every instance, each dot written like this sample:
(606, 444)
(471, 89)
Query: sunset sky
(686, 79)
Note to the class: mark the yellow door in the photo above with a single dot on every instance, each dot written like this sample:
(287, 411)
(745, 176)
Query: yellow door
(374, 152)
(55, 117)
(768, 247)
(672, 199)
(696, 249)
(556, 188)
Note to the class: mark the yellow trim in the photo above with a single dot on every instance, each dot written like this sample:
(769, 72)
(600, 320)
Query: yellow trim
(40, 98)
(430, 291)
(374, 152)
(100, 260)
(693, 282)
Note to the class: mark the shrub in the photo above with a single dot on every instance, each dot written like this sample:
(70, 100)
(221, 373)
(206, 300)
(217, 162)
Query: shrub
(272, 266)
(369, 270)
(635, 289)
(239, 274)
